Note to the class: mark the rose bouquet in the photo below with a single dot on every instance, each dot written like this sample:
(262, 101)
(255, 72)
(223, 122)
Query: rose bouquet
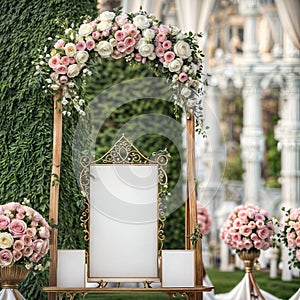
(203, 219)
(248, 227)
(290, 234)
(137, 37)
(24, 236)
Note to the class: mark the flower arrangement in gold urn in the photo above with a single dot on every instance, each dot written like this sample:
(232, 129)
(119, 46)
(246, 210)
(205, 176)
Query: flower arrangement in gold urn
(24, 237)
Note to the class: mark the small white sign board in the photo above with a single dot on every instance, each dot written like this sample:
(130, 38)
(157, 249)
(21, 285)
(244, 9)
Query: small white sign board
(71, 268)
(177, 267)
(123, 223)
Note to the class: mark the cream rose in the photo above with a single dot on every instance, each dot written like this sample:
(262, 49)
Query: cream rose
(73, 70)
(104, 49)
(85, 29)
(70, 49)
(6, 240)
(175, 65)
(185, 92)
(146, 49)
(182, 49)
(148, 34)
(82, 57)
(121, 20)
(107, 16)
(104, 25)
(141, 21)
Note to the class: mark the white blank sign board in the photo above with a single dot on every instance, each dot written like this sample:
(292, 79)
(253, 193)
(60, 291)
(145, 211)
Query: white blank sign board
(123, 222)
(177, 268)
(71, 268)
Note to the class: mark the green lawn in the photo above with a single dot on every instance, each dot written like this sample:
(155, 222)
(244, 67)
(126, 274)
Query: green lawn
(223, 282)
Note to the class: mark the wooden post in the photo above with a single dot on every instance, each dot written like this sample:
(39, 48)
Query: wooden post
(54, 189)
(190, 205)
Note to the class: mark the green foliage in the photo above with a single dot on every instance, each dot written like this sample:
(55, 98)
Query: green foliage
(233, 168)
(27, 117)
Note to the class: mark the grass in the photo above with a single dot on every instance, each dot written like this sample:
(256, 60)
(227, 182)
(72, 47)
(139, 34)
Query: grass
(223, 282)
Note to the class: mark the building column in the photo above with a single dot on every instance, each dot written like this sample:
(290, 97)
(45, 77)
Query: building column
(250, 10)
(252, 141)
(214, 154)
(287, 132)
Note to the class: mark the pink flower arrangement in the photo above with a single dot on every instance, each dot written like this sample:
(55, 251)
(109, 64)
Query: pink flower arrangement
(137, 37)
(248, 227)
(203, 219)
(290, 234)
(24, 236)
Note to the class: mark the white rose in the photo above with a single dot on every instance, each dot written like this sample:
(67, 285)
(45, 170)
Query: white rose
(175, 30)
(194, 69)
(113, 42)
(148, 34)
(152, 56)
(181, 36)
(107, 16)
(73, 70)
(142, 41)
(70, 49)
(55, 87)
(78, 38)
(85, 29)
(182, 49)
(121, 20)
(141, 21)
(6, 240)
(82, 57)
(146, 49)
(104, 49)
(104, 25)
(175, 65)
(185, 92)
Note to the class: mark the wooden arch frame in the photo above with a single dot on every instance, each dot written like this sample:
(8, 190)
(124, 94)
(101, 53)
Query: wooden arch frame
(190, 204)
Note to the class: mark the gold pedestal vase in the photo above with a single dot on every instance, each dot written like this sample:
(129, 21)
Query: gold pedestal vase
(249, 259)
(10, 278)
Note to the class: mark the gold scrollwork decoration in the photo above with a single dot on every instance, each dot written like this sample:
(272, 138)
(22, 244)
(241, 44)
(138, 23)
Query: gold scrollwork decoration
(124, 152)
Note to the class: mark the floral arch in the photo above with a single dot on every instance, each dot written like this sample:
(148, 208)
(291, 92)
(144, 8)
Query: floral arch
(138, 38)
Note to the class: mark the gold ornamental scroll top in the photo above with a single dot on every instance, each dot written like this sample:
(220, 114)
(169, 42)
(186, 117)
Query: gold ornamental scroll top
(124, 152)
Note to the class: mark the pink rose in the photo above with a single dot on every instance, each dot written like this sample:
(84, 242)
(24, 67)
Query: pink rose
(237, 223)
(96, 35)
(129, 41)
(17, 228)
(263, 233)
(258, 244)
(27, 239)
(61, 69)
(72, 60)
(252, 224)
(164, 29)
(169, 56)
(242, 214)
(259, 216)
(116, 54)
(18, 245)
(27, 251)
(297, 226)
(159, 51)
(161, 37)
(236, 237)
(119, 35)
(250, 213)
(105, 33)
(90, 44)
(248, 244)
(31, 231)
(20, 216)
(17, 255)
(36, 257)
(37, 245)
(245, 230)
(121, 47)
(129, 50)
(54, 61)
(6, 258)
(260, 224)
(294, 214)
(4, 222)
(291, 243)
(44, 232)
(167, 45)
(254, 237)
(183, 77)
(63, 79)
(45, 247)
(80, 46)
(65, 60)
(265, 245)
(59, 44)
(138, 57)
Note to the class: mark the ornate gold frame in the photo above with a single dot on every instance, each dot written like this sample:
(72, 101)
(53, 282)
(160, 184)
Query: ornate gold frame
(124, 152)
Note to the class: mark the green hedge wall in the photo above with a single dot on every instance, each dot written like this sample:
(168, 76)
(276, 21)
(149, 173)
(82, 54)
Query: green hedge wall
(27, 117)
